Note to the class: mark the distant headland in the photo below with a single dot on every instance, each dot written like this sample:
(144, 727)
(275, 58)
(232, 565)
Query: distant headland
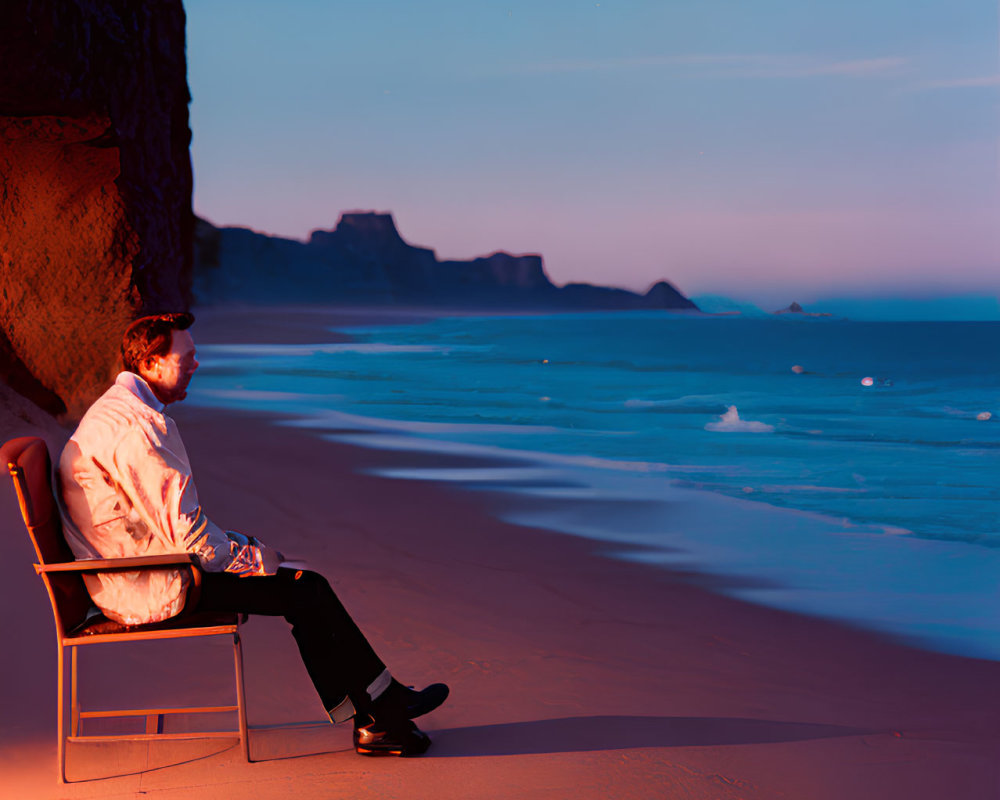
(365, 261)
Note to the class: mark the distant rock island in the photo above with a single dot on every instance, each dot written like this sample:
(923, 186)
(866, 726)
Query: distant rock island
(795, 308)
(364, 260)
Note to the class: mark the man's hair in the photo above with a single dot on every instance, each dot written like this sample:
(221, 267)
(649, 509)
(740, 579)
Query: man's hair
(149, 337)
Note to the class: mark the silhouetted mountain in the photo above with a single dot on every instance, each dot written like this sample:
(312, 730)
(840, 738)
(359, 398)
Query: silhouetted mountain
(364, 260)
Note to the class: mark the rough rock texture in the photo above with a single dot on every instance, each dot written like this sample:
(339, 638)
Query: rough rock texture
(95, 211)
(365, 260)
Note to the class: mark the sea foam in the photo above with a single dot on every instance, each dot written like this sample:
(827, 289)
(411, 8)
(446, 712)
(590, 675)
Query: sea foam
(730, 422)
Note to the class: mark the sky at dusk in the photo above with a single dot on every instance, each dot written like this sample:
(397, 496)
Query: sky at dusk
(758, 149)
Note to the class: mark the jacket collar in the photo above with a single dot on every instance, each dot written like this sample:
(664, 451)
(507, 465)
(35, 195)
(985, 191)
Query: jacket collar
(140, 389)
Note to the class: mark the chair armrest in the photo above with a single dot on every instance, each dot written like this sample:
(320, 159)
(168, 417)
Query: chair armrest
(121, 564)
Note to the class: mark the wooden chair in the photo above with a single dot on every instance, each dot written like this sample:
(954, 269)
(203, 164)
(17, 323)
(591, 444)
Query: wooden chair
(78, 623)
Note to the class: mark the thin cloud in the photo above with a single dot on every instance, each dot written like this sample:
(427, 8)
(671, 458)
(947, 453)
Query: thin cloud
(862, 67)
(730, 65)
(631, 62)
(959, 83)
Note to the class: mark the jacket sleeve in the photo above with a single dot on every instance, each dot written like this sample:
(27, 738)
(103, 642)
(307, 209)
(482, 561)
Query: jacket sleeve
(165, 505)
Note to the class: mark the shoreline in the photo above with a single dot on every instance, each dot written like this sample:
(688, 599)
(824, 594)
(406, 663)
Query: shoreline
(572, 674)
(555, 488)
(726, 524)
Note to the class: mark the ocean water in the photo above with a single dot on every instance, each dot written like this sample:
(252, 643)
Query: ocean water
(845, 469)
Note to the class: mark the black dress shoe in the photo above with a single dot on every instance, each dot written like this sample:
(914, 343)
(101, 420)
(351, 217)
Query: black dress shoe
(424, 701)
(400, 739)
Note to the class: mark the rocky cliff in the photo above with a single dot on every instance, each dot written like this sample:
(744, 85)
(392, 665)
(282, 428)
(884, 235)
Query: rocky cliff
(95, 213)
(365, 260)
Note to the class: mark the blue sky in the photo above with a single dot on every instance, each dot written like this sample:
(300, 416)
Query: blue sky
(763, 149)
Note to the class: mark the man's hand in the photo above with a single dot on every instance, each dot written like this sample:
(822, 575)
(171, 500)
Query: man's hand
(255, 552)
(270, 558)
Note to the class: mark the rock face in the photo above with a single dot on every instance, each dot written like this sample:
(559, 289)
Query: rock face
(365, 260)
(95, 214)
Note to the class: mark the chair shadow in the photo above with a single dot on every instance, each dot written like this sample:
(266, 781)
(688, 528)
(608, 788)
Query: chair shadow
(88, 762)
(582, 734)
(100, 760)
(292, 740)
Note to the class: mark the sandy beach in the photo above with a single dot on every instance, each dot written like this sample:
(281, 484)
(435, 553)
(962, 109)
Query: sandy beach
(572, 675)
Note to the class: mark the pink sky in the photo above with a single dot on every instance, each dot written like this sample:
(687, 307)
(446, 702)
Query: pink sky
(811, 148)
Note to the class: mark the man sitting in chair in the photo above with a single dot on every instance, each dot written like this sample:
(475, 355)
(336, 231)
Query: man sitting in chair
(127, 490)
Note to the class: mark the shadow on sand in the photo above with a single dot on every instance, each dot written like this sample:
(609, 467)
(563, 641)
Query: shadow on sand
(580, 734)
(565, 735)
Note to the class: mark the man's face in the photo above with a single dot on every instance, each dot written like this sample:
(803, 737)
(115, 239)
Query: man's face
(169, 375)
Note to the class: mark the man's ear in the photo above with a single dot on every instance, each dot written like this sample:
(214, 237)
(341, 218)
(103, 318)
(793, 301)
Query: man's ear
(149, 366)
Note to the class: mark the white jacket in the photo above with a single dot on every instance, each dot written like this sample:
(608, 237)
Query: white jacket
(126, 489)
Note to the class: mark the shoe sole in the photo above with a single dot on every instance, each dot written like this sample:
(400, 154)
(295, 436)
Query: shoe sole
(364, 751)
(397, 749)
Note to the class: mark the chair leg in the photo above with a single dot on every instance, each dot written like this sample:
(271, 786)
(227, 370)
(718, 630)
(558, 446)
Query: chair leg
(241, 699)
(74, 702)
(60, 711)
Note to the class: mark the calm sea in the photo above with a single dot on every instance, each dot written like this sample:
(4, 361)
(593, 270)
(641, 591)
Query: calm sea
(847, 469)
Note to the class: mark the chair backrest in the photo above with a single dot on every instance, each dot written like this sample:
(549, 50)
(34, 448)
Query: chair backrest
(27, 459)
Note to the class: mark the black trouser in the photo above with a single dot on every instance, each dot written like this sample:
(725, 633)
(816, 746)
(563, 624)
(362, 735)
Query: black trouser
(341, 663)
